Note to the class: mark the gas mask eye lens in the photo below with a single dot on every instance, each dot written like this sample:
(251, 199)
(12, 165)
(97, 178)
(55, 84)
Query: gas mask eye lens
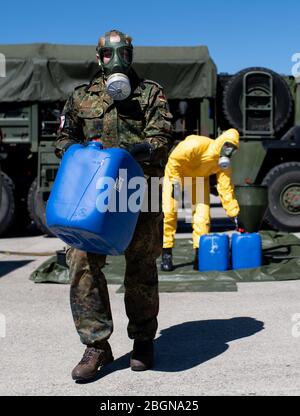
(106, 55)
(125, 54)
(228, 150)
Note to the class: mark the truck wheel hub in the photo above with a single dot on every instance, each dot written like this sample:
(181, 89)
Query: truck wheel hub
(290, 199)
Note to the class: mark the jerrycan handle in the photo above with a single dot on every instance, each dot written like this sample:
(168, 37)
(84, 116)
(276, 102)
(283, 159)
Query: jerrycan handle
(96, 143)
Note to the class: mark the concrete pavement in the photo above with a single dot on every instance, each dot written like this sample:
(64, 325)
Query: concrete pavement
(236, 343)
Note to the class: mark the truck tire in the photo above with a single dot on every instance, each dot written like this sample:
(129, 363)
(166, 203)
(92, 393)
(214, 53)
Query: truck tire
(283, 183)
(8, 205)
(232, 100)
(37, 209)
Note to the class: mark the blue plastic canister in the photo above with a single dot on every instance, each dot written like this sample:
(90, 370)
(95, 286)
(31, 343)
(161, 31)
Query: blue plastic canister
(214, 252)
(246, 251)
(96, 198)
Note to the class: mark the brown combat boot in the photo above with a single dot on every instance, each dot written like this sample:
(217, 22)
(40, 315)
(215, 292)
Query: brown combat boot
(142, 355)
(92, 359)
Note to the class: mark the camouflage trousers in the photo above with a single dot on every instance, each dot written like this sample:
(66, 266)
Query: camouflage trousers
(89, 295)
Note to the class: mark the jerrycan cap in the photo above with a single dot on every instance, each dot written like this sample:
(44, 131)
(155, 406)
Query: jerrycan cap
(96, 143)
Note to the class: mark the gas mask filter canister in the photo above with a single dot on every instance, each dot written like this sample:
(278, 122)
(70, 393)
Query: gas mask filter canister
(118, 86)
(224, 162)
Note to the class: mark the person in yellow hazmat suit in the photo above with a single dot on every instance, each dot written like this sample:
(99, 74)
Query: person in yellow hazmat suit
(194, 158)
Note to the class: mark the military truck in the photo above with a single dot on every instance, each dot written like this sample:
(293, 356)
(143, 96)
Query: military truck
(263, 105)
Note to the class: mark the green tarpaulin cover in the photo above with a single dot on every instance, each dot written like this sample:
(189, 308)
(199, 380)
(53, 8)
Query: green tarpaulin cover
(281, 262)
(48, 72)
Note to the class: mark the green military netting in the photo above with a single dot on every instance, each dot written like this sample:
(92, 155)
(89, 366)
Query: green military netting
(46, 72)
(281, 258)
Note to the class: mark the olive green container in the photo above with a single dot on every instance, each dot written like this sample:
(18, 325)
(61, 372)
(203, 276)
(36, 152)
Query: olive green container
(253, 202)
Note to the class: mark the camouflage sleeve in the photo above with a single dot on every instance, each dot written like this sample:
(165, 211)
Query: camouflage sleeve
(158, 129)
(70, 130)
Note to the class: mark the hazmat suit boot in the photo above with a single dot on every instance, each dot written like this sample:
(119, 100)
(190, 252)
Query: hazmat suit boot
(196, 261)
(142, 355)
(93, 358)
(167, 260)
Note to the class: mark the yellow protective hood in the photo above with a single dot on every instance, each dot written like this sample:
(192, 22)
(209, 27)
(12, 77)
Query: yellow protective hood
(231, 136)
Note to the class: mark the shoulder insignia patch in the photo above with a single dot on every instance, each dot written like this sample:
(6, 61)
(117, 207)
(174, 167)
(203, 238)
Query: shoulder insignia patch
(162, 98)
(62, 121)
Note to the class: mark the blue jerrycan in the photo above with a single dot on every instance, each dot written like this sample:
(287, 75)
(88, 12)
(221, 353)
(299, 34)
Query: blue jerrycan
(246, 250)
(214, 252)
(96, 198)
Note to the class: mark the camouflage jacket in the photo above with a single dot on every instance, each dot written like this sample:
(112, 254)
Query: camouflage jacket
(91, 113)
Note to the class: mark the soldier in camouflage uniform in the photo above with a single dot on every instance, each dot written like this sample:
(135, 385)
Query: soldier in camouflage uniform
(140, 123)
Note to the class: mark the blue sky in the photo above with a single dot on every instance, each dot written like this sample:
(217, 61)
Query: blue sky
(239, 34)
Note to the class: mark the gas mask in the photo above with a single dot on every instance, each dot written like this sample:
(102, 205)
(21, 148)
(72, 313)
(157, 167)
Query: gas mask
(115, 59)
(227, 151)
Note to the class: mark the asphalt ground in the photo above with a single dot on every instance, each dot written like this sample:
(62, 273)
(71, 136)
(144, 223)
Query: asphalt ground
(223, 343)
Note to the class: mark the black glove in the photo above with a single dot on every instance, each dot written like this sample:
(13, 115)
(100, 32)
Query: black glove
(238, 226)
(142, 151)
(236, 222)
(60, 152)
(3, 155)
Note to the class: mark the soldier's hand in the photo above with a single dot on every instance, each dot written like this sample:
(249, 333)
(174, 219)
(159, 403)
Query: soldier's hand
(60, 152)
(141, 151)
